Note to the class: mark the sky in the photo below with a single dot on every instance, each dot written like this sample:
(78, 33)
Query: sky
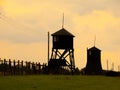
(24, 25)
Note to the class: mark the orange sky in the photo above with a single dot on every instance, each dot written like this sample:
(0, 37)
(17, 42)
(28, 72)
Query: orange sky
(24, 25)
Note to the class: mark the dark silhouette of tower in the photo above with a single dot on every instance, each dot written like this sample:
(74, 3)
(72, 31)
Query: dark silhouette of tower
(62, 51)
(93, 66)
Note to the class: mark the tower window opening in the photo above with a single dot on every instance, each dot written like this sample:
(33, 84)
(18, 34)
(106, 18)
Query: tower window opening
(55, 39)
(90, 53)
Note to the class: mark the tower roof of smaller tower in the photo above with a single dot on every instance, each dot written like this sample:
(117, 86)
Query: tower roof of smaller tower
(94, 48)
(62, 32)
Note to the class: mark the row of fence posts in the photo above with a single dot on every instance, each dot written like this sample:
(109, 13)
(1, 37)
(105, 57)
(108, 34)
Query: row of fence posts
(9, 67)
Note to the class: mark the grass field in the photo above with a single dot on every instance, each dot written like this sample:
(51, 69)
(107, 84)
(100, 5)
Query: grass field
(59, 82)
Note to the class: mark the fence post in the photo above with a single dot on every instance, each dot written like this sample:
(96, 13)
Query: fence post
(4, 67)
(10, 68)
(14, 67)
(33, 67)
(29, 64)
(39, 65)
(1, 63)
(26, 67)
(22, 68)
(36, 67)
(18, 67)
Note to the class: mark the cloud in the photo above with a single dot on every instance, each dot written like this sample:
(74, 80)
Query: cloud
(28, 52)
(19, 34)
(100, 23)
(1, 2)
(32, 18)
(88, 6)
(28, 20)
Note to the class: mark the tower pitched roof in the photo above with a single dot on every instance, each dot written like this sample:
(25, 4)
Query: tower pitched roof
(94, 48)
(62, 32)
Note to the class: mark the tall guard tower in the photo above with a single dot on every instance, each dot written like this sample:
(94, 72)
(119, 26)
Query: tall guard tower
(62, 51)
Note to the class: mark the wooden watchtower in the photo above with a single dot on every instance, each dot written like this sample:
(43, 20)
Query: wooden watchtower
(62, 50)
(93, 66)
